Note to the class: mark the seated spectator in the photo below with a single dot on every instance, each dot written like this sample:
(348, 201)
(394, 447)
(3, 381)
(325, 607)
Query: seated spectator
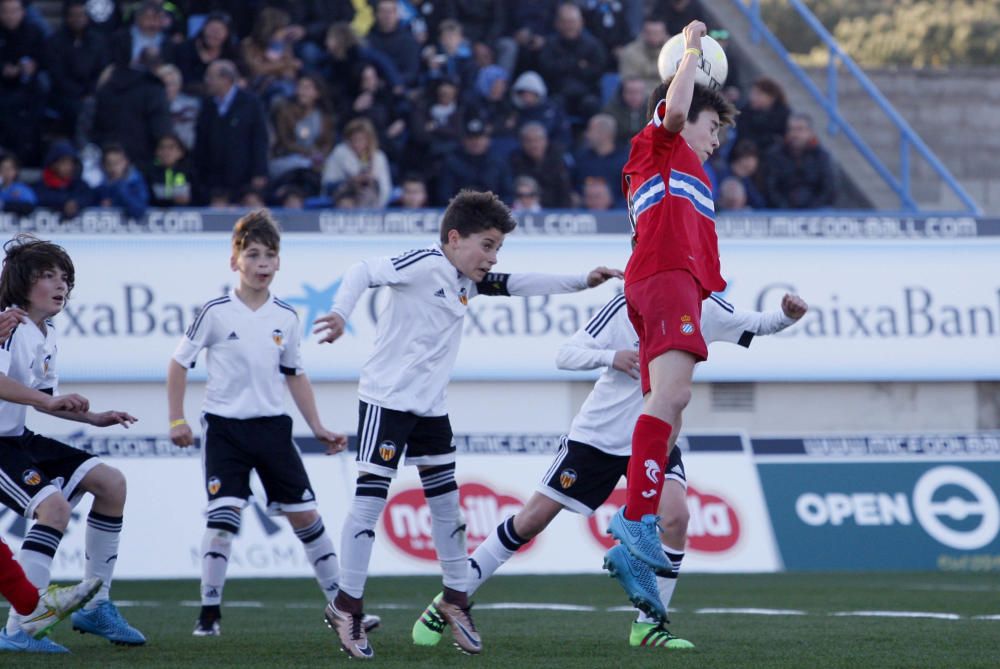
(530, 22)
(527, 195)
(22, 95)
(123, 186)
(251, 198)
(169, 178)
(435, 127)
(344, 61)
(347, 196)
(765, 116)
(313, 18)
(744, 165)
(16, 196)
(303, 132)
(269, 54)
(213, 42)
(451, 57)
(600, 159)
(597, 195)
(490, 100)
(799, 172)
(291, 197)
(538, 159)
(219, 198)
(146, 34)
(482, 21)
(677, 13)
(529, 95)
(380, 104)
(637, 59)
(572, 62)
(413, 193)
(61, 188)
(607, 21)
(732, 195)
(473, 167)
(358, 163)
(184, 108)
(75, 57)
(628, 108)
(395, 40)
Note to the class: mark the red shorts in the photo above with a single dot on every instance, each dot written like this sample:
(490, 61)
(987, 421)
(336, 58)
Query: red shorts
(665, 310)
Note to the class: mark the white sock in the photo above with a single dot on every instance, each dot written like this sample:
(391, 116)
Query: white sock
(448, 531)
(102, 538)
(356, 542)
(499, 546)
(216, 547)
(666, 585)
(319, 551)
(35, 557)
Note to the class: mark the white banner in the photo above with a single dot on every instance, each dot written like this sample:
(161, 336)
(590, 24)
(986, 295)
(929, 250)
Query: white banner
(880, 310)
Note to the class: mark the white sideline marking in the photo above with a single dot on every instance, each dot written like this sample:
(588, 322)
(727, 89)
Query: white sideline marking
(756, 612)
(899, 614)
(631, 609)
(525, 606)
(953, 588)
(993, 617)
(136, 602)
(234, 605)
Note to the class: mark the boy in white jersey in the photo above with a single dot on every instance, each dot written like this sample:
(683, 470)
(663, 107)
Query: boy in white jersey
(252, 342)
(42, 478)
(402, 389)
(595, 454)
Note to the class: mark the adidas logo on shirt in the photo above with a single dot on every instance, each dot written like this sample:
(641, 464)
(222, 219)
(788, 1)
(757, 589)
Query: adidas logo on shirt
(439, 292)
(232, 336)
(307, 496)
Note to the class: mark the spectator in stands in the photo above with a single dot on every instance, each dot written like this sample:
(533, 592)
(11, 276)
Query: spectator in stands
(146, 34)
(22, 95)
(597, 195)
(744, 165)
(105, 17)
(451, 56)
(799, 173)
(269, 54)
(483, 22)
(213, 42)
(427, 18)
(169, 178)
(637, 59)
(607, 21)
(527, 195)
(230, 149)
(435, 127)
(387, 110)
(312, 18)
(491, 102)
(628, 108)
(61, 188)
(291, 197)
(358, 164)
(131, 109)
(572, 62)
(413, 193)
(600, 158)
(251, 198)
(303, 134)
(123, 186)
(542, 161)
(732, 195)
(473, 166)
(529, 95)
(16, 196)
(184, 108)
(530, 22)
(395, 40)
(677, 13)
(765, 116)
(75, 57)
(344, 60)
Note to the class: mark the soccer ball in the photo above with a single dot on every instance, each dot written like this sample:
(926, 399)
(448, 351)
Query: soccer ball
(712, 67)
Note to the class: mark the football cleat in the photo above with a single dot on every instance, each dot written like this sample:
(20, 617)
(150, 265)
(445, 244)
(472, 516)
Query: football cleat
(20, 642)
(463, 629)
(351, 632)
(653, 635)
(105, 620)
(642, 539)
(429, 627)
(55, 604)
(637, 579)
(209, 622)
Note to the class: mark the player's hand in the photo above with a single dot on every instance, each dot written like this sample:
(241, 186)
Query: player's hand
(794, 306)
(334, 441)
(10, 319)
(628, 362)
(71, 402)
(601, 274)
(329, 327)
(181, 435)
(109, 418)
(693, 32)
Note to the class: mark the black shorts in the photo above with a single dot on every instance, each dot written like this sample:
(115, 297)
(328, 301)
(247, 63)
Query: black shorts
(233, 447)
(32, 467)
(582, 477)
(384, 435)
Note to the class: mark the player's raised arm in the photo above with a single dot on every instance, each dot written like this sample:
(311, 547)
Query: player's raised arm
(721, 321)
(681, 90)
(526, 284)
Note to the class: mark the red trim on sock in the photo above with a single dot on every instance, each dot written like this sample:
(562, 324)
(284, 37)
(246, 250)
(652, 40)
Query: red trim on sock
(649, 454)
(14, 585)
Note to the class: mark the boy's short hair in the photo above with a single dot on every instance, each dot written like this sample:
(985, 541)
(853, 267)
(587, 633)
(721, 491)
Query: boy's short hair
(113, 147)
(257, 226)
(702, 99)
(472, 211)
(26, 257)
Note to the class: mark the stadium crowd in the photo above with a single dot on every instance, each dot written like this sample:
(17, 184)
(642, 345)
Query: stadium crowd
(351, 103)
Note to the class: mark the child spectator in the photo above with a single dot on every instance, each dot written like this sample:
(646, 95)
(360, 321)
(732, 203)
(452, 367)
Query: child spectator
(15, 196)
(123, 186)
(359, 161)
(744, 165)
(413, 193)
(169, 178)
(61, 188)
(527, 196)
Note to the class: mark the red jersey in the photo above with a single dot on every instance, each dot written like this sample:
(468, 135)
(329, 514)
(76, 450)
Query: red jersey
(670, 207)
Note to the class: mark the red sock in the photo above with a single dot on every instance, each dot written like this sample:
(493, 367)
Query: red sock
(14, 585)
(645, 467)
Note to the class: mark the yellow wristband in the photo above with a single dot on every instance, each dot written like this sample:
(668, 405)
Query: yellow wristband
(177, 423)
(693, 50)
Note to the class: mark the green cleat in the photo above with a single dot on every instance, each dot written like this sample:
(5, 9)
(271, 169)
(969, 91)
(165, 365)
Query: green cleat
(655, 635)
(428, 628)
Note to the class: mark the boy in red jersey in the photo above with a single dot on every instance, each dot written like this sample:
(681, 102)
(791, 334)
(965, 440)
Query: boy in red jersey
(674, 266)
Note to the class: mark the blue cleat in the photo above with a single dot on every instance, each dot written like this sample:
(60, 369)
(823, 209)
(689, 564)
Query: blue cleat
(642, 539)
(637, 579)
(20, 642)
(106, 621)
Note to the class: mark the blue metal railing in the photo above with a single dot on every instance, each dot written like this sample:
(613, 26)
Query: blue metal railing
(908, 138)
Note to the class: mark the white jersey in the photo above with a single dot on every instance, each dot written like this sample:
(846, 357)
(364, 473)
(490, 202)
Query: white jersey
(420, 327)
(248, 352)
(609, 413)
(29, 357)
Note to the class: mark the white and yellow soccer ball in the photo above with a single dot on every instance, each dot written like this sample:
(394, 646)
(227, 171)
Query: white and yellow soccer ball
(712, 66)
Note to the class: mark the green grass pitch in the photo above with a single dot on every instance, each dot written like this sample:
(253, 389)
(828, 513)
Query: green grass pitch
(278, 623)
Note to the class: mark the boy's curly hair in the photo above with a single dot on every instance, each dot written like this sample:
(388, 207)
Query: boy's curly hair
(26, 257)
